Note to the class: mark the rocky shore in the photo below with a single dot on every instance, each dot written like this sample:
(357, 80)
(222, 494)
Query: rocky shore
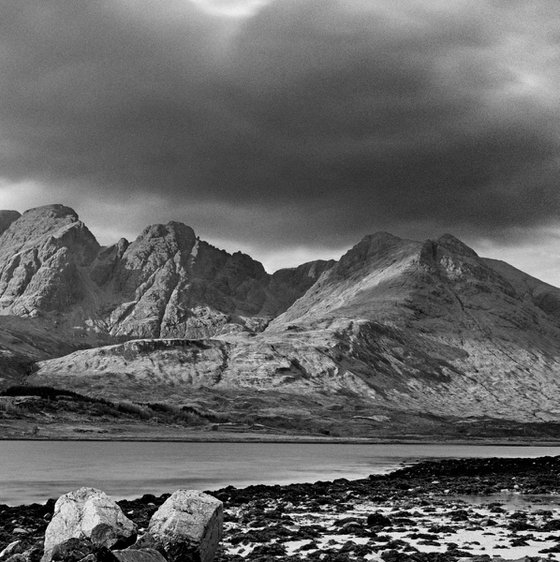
(431, 512)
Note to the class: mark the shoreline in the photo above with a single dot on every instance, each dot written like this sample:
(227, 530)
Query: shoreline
(226, 437)
(417, 513)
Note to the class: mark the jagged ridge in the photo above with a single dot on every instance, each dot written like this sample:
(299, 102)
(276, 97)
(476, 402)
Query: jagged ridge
(165, 283)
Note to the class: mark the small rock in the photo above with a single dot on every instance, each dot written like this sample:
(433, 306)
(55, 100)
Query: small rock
(378, 520)
(12, 548)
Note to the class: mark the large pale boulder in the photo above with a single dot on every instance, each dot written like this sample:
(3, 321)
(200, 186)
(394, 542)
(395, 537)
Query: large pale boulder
(188, 526)
(87, 513)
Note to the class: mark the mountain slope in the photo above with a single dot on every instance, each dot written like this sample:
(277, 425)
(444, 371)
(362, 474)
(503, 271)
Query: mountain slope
(395, 330)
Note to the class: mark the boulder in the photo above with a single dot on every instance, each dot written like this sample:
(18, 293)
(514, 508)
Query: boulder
(188, 526)
(87, 514)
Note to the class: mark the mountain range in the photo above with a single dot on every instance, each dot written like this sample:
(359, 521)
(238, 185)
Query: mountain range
(397, 338)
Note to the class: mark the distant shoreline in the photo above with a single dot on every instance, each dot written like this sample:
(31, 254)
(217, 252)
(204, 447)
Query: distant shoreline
(29, 430)
(293, 439)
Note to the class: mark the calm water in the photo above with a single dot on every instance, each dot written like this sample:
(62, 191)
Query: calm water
(33, 471)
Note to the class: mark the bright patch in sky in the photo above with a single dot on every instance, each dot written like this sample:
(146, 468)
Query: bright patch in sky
(18, 196)
(230, 8)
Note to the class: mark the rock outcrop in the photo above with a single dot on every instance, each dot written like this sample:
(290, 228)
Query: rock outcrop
(86, 514)
(167, 274)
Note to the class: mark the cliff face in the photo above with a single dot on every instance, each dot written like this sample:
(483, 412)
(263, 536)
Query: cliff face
(42, 257)
(165, 283)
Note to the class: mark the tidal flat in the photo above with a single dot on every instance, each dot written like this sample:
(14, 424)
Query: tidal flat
(440, 511)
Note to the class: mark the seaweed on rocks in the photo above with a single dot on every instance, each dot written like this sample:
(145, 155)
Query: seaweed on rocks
(410, 515)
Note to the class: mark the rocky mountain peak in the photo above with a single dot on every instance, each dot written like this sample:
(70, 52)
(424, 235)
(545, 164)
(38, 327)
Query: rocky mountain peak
(377, 243)
(51, 216)
(381, 237)
(34, 224)
(159, 249)
(42, 253)
(177, 234)
(449, 242)
(448, 253)
(366, 280)
(372, 252)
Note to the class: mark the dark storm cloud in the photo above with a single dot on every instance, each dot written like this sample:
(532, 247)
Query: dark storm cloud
(327, 119)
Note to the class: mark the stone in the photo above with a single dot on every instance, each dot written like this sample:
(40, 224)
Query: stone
(188, 526)
(90, 514)
(378, 520)
(12, 548)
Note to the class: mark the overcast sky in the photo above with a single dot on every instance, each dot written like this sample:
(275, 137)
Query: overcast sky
(289, 129)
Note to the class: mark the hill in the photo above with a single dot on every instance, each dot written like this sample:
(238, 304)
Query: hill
(398, 338)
